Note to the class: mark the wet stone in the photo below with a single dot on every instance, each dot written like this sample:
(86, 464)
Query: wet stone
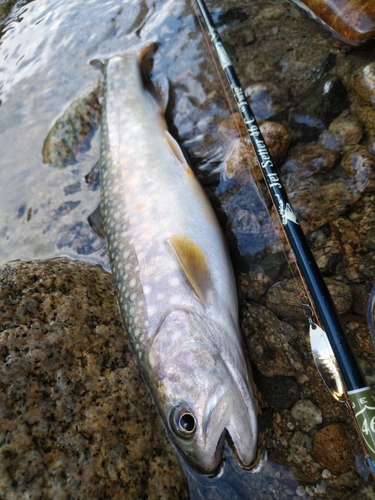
(300, 447)
(73, 130)
(351, 243)
(333, 448)
(280, 392)
(283, 298)
(366, 491)
(359, 164)
(269, 341)
(277, 139)
(324, 101)
(367, 265)
(304, 162)
(347, 130)
(358, 78)
(76, 418)
(306, 414)
(263, 99)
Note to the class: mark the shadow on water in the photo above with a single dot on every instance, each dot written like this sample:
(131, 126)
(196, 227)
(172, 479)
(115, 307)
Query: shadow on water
(50, 141)
(267, 481)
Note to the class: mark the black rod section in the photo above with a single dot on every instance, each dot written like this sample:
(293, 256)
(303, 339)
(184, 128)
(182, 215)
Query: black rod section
(309, 269)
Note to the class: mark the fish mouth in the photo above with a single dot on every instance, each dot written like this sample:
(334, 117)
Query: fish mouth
(203, 466)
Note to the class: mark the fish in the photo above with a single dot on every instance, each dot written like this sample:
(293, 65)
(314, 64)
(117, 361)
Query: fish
(173, 275)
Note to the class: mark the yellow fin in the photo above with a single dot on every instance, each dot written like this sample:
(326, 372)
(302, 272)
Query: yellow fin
(194, 265)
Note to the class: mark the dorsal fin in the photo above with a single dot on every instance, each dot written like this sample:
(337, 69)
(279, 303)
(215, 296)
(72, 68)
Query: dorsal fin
(175, 147)
(194, 265)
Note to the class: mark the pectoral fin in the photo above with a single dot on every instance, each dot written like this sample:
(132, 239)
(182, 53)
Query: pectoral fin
(194, 265)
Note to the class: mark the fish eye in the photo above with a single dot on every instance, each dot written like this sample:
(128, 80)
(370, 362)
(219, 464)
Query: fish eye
(182, 421)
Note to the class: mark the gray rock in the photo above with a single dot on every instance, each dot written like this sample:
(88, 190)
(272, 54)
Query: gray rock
(76, 418)
(306, 414)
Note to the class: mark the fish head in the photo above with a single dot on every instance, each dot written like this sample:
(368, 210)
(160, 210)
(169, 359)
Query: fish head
(199, 394)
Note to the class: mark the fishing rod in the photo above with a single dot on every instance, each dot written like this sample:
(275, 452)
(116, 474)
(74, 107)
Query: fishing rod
(361, 397)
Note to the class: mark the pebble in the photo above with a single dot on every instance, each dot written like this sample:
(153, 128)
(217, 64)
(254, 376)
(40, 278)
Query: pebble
(318, 106)
(300, 447)
(306, 414)
(280, 392)
(346, 130)
(332, 448)
(367, 265)
(304, 163)
(351, 243)
(269, 341)
(263, 98)
(283, 298)
(277, 139)
(359, 79)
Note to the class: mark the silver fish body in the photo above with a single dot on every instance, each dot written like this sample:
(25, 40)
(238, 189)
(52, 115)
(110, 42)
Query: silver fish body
(174, 279)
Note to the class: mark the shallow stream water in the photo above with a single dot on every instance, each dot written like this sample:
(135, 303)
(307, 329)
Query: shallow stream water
(49, 65)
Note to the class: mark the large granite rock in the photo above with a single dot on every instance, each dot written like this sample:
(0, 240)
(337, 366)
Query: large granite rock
(76, 420)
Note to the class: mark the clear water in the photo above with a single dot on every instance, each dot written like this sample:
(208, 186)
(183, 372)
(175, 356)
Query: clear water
(45, 65)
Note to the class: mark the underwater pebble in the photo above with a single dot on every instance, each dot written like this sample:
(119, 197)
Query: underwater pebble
(73, 130)
(280, 392)
(277, 139)
(319, 105)
(332, 448)
(317, 238)
(304, 162)
(300, 447)
(263, 99)
(351, 243)
(306, 414)
(359, 164)
(283, 298)
(367, 265)
(77, 420)
(300, 491)
(346, 130)
(359, 79)
(269, 342)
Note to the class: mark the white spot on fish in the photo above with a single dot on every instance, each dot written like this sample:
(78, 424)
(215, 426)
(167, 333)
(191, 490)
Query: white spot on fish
(174, 281)
(175, 299)
(132, 282)
(151, 310)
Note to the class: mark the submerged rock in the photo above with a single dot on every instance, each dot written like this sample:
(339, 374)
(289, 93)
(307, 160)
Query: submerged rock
(242, 155)
(270, 342)
(76, 418)
(346, 130)
(340, 179)
(333, 448)
(306, 414)
(283, 298)
(73, 130)
(319, 105)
